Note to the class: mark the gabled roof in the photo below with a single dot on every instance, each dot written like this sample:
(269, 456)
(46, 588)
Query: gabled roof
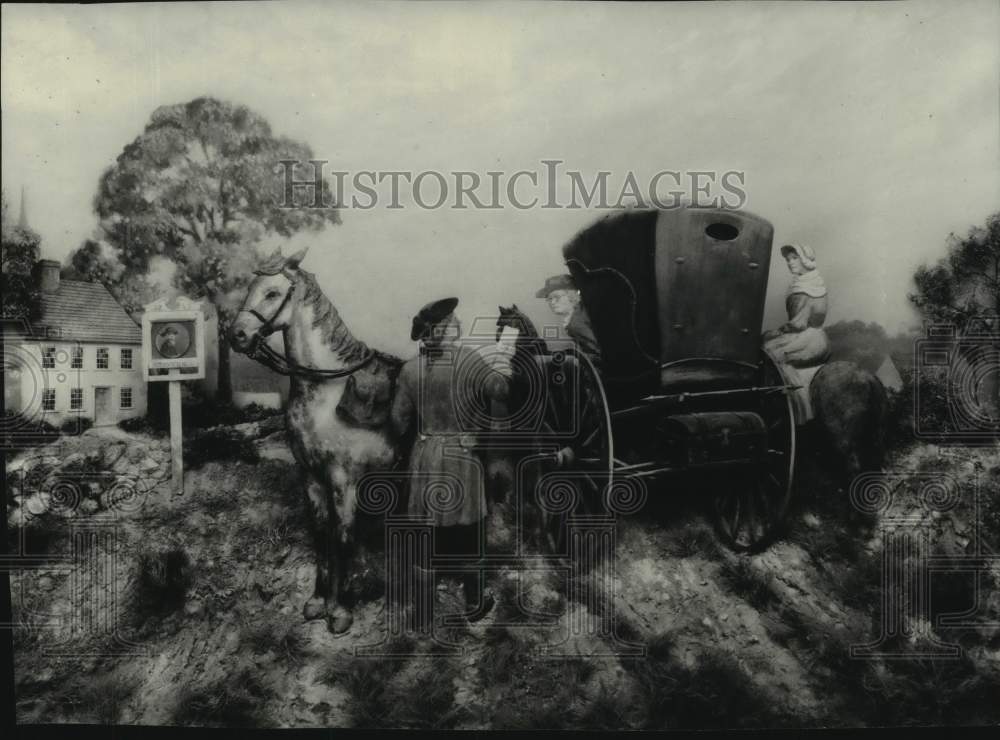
(86, 312)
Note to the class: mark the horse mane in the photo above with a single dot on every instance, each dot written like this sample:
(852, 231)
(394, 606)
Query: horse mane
(325, 315)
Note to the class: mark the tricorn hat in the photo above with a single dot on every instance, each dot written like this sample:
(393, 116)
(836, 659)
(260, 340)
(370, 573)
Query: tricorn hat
(431, 314)
(556, 282)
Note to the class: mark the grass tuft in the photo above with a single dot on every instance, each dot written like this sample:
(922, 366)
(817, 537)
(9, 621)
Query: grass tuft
(751, 585)
(235, 701)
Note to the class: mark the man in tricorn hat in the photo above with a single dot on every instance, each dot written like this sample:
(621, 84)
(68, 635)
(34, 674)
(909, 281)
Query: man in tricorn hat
(440, 390)
(561, 293)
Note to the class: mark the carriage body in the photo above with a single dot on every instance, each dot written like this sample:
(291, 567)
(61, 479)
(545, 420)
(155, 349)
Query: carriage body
(676, 302)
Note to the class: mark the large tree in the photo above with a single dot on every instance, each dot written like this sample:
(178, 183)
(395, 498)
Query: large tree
(91, 261)
(963, 287)
(19, 253)
(200, 187)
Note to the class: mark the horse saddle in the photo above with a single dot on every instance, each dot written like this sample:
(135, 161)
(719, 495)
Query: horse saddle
(367, 399)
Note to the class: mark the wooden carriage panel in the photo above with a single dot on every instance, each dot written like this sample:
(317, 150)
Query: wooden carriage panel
(711, 271)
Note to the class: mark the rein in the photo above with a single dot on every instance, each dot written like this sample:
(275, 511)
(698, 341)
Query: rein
(279, 363)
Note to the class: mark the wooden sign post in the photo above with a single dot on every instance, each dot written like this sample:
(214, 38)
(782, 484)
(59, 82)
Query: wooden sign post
(173, 350)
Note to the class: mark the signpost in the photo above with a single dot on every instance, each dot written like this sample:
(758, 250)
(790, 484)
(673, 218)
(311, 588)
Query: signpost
(173, 350)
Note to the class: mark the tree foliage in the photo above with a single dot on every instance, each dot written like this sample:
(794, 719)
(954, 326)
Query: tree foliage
(20, 253)
(92, 262)
(963, 287)
(200, 187)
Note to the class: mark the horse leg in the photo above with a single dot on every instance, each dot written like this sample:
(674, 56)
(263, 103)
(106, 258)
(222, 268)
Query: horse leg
(339, 616)
(319, 514)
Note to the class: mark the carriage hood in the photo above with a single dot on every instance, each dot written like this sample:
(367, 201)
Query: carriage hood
(672, 286)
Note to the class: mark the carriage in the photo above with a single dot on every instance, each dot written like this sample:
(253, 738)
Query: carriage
(682, 391)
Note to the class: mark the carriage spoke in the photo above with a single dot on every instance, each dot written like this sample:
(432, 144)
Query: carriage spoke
(751, 530)
(553, 411)
(737, 518)
(590, 438)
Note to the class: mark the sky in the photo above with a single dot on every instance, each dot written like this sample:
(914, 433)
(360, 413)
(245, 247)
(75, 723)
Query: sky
(869, 131)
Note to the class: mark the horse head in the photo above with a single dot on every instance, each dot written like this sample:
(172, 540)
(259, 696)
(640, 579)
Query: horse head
(270, 301)
(515, 329)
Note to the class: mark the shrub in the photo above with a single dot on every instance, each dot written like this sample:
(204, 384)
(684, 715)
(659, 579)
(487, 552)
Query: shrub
(76, 426)
(164, 576)
(218, 444)
(144, 425)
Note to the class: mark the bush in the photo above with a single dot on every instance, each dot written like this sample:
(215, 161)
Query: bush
(201, 412)
(76, 426)
(164, 575)
(144, 425)
(218, 444)
(197, 412)
(36, 432)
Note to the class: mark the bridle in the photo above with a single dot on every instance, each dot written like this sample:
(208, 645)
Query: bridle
(279, 363)
(266, 327)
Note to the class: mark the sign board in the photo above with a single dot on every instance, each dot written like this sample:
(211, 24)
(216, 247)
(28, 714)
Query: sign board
(173, 341)
(173, 349)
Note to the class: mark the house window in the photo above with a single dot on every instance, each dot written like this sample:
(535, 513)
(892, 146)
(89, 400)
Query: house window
(102, 358)
(125, 398)
(77, 362)
(48, 399)
(126, 359)
(49, 357)
(75, 399)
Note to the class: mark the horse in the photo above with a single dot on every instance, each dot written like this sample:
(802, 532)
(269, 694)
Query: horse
(333, 452)
(539, 410)
(850, 406)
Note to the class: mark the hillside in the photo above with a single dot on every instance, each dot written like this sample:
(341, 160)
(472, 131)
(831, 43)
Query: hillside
(208, 588)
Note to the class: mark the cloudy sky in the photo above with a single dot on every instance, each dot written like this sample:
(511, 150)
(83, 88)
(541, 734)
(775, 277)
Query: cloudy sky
(869, 131)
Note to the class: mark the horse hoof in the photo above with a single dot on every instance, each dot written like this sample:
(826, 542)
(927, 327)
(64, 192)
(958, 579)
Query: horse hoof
(339, 621)
(314, 609)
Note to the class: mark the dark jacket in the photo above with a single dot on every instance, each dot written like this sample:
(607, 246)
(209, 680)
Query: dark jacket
(448, 396)
(582, 333)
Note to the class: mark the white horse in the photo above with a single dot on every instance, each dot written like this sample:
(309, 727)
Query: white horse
(321, 354)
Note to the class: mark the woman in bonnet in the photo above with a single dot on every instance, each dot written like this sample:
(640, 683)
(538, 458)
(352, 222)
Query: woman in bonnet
(801, 341)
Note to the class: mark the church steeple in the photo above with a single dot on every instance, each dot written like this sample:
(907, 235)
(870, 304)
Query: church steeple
(22, 219)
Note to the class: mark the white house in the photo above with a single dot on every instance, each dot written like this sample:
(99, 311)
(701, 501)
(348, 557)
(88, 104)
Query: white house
(82, 358)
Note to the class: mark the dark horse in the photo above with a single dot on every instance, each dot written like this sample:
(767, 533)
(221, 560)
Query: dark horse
(513, 467)
(333, 452)
(850, 406)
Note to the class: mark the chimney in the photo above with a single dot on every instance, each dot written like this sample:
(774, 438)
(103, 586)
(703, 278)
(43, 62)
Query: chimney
(48, 276)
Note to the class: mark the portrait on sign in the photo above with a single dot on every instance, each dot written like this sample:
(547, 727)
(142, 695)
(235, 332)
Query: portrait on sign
(172, 339)
(174, 344)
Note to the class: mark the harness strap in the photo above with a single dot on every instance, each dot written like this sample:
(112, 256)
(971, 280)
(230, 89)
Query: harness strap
(267, 325)
(280, 364)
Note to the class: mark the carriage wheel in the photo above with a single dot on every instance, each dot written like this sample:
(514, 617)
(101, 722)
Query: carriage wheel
(750, 514)
(577, 401)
